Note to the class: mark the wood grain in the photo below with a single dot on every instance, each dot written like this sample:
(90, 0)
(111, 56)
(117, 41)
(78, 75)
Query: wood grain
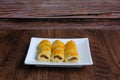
(105, 48)
(59, 9)
(104, 24)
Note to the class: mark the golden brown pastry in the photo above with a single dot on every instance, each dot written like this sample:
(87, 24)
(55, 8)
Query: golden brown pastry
(44, 50)
(57, 51)
(71, 54)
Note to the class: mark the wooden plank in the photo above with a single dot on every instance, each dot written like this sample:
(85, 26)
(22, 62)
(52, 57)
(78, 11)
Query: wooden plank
(105, 48)
(60, 8)
(56, 1)
(60, 24)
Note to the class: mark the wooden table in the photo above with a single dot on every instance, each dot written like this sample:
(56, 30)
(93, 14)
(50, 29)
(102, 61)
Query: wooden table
(20, 20)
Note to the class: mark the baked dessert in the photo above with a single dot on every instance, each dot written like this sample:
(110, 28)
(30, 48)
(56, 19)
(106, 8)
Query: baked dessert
(71, 54)
(44, 50)
(57, 51)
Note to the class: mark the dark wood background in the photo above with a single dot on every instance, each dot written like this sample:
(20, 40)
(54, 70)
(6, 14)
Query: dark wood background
(99, 20)
(60, 8)
(81, 23)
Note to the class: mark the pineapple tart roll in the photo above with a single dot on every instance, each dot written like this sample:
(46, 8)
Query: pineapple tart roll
(44, 50)
(57, 51)
(71, 54)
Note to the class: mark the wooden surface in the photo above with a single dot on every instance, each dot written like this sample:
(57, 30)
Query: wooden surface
(104, 45)
(104, 24)
(99, 20)
(59, 8)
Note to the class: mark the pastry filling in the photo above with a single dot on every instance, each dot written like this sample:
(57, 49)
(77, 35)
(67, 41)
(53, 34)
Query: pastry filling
(58, 57)
(44, 56)
(73, 58)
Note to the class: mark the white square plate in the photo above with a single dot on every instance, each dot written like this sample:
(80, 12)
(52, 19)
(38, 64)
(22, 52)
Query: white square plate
(82, 46)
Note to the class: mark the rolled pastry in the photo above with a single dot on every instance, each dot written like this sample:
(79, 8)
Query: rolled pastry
(71, 54)
(44, 50)
(57, 51)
